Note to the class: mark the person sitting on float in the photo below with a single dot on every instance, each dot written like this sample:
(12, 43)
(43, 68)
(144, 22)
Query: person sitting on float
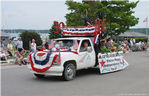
(43, 47)
(110, 45)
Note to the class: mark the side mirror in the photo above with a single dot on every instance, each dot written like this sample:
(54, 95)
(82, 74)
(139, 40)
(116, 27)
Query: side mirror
(89, 49)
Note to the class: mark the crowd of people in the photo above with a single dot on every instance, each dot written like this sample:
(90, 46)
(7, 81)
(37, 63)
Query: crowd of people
(124, 45)
(16, 51)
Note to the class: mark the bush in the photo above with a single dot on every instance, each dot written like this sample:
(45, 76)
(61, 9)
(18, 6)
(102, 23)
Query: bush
(141, 39)
(104, 49)
(138, 39)
(28, 36)
(116, 45)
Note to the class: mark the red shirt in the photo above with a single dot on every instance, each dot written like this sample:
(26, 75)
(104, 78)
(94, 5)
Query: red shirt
(42, 49)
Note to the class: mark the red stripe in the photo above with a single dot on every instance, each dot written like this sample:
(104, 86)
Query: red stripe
(41, 54)
(87, 33)
(43, 69)
(95, 38)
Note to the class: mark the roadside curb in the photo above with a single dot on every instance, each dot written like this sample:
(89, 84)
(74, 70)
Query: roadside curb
(7, 64)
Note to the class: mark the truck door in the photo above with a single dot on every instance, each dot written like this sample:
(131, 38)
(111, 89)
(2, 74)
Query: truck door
(86, 54)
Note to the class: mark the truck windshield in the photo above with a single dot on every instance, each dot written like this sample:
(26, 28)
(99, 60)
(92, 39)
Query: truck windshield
(65, 44)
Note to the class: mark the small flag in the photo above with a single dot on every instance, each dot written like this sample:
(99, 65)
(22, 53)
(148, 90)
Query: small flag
(51, 44)
(96, 39)
(75, 45)
(58, 59)
(145, 20)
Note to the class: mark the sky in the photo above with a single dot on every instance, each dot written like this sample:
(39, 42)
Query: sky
(41, 14)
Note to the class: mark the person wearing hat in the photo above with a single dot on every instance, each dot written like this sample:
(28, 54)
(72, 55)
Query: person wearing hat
(33, 46)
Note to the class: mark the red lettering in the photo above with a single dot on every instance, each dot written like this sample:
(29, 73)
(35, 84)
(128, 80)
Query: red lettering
(103, 25)
(61, 23)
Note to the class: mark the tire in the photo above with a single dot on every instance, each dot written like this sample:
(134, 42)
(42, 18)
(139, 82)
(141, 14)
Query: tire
(69, 72)
(39, 75)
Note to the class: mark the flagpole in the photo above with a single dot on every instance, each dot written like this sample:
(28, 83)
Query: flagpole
(146, 24)
(147, 27)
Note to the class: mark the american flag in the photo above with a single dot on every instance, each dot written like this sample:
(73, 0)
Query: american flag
(96, 39)
(75, 45)
(51, 44)
(145, 20)
(87, 18)
(58, 59)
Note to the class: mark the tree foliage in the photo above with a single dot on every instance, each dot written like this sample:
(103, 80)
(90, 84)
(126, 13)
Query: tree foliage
(52, 34)
(28, 36)
(118, 14)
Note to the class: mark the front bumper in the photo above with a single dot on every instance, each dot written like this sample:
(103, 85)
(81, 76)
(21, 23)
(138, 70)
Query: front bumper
(53, 71)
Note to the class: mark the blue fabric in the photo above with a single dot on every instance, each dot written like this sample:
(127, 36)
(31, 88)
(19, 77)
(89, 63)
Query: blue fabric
(44, 62)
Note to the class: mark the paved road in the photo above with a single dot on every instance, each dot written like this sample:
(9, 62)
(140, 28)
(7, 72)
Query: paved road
(133, 81)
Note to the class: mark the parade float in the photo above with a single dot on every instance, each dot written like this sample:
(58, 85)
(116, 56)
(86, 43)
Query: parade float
(74, 52)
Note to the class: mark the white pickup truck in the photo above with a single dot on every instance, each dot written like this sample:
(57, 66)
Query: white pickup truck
(66, 57)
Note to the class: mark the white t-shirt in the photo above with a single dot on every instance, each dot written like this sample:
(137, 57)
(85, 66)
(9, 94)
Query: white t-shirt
(19, 44)
(33, 47)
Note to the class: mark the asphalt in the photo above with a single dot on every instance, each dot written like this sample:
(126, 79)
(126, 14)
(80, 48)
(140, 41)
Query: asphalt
(132, 81)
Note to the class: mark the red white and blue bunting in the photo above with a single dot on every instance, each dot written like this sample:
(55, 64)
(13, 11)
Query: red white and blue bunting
(87, 30)
(41, 61)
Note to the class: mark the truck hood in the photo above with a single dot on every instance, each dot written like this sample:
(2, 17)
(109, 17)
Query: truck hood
(43, 60)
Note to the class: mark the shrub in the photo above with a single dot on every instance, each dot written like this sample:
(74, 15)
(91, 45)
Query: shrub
(104, 49)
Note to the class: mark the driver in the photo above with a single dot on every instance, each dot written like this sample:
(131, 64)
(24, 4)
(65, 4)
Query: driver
(84, 47)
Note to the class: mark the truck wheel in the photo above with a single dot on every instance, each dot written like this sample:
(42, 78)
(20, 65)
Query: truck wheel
(39, 75)
(69, 72)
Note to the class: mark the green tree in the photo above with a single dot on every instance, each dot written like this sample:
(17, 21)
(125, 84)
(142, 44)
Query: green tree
(28, 36)
(118, 14)
(52, 34)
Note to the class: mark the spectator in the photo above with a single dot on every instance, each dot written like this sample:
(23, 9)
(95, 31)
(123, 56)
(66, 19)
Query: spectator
(33, 46)
(134, 41)
(3, 53)
(19, 56)
(10, 48)
(47, 44)
(19, 44)
(148, 43)
(123, 48)
(131, 43)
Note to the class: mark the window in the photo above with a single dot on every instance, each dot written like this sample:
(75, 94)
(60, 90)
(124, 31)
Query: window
(84, 45)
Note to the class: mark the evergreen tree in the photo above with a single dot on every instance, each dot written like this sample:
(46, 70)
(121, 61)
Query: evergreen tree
(52, 34)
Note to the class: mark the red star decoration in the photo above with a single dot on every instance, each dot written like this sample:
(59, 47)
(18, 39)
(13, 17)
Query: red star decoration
(102, 63)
